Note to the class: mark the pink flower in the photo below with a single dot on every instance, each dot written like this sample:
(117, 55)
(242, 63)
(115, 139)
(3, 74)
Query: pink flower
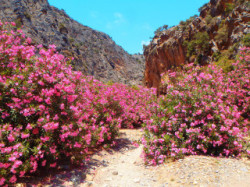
(28, 40)
(44, 163)
(53, 165)
(52, 150)
(22, 173)
(23, 136)
(236, 130)
(41, 83)
(62, 106)
(77, 145)
(209, 116)
(45, 139)
(13, 179)
(35, 131)
(11, 138)
(199, 112)
(2, 180)
(17, 163)
(29, 127)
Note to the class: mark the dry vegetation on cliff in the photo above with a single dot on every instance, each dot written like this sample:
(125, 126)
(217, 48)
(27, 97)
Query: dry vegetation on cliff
(53, 117)
(94, 52)
(215, 35)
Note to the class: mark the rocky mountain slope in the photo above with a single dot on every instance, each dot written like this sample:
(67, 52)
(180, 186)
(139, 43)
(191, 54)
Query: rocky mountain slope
(215, 35)
(95, 53)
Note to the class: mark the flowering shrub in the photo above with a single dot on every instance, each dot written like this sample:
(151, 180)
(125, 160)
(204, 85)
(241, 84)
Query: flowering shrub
(48, 111)
(205, 111)
(136, 102)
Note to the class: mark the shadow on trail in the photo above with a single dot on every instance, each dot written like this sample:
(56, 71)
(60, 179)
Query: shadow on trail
(69, 175)
(123, 144)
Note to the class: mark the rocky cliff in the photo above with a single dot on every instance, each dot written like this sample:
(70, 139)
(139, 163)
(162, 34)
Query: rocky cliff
(223, 26)
(95, 53)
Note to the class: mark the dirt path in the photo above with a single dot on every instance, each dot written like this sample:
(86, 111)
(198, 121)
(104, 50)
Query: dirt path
(123, 166)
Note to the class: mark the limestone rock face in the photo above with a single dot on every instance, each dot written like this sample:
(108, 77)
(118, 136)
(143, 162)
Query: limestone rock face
(223, 22)
(95, 53)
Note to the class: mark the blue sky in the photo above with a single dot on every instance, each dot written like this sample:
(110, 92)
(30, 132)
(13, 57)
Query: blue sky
(130, 23)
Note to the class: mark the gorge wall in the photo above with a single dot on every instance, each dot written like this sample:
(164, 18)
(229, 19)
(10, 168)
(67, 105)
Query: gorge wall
(222, 27)
(95, 53)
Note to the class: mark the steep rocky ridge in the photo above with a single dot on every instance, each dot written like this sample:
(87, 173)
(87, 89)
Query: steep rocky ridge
(95, 53)
(218, 31)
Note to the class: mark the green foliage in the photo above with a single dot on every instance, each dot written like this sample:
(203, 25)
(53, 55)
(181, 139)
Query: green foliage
(201, 8)
(184, 24)
(78, 45)
(61, 26)
(135, 87)
(190, 47)
(234, 48)
(197, 115)
(226, 58)
(198, 60)
(202, 41)
(229, 8)
(199, 45)
(224, 61)
(71, 40)
(222, 34)
(241, 2)
(246, 40)
(208, 19)
(161, 29)
(110, 83)
(27, 15)
(216, 56)
(18, 22)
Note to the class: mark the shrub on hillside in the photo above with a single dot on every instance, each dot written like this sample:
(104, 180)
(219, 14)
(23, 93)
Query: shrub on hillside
(161, 29)
(205, 111)
(222, 34)
(199, 44)
(229, 8)
(184, 24)
(246, 40)
(203, 6)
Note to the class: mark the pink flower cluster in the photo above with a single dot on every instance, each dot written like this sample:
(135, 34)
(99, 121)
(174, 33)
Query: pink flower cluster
(48, 111)
(205, 111)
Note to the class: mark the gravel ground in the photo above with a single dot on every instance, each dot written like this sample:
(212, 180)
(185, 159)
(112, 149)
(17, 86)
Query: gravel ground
(123, 166)
(206, 171)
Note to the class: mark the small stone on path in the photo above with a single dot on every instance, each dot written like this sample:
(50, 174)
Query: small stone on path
(195, 182)
(137, 180)
(89, 178)
(108, 179)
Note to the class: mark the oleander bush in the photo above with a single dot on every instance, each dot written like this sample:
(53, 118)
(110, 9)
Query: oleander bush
(205, 111)
(49, 112)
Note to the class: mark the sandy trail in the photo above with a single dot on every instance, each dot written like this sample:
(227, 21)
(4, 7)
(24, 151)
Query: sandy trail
(123, 166)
